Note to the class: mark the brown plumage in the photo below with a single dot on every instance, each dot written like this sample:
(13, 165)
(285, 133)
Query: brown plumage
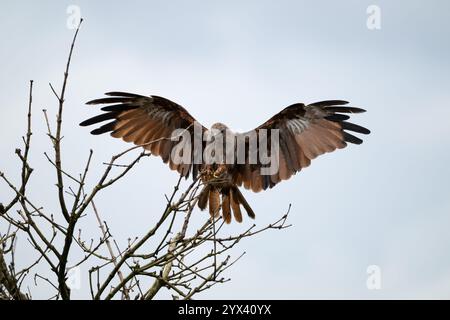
(203, 197)
(214, 202)
(305, 132)
(226, 207)
(235, 205)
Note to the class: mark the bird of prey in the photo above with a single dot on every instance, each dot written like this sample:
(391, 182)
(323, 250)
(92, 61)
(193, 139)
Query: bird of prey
(303, 132)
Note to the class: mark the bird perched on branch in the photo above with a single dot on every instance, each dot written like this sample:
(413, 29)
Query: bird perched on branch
(258, 159)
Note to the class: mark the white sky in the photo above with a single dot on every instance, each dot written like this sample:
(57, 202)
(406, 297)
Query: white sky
(382, 203)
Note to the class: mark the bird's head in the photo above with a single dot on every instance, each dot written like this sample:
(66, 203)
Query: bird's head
(217, 129)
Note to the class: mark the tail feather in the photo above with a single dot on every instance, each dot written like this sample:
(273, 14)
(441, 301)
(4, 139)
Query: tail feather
(232, 199)
(235, 205)
(203, 198)
(226, 210)
(244, 202)
(214, 202)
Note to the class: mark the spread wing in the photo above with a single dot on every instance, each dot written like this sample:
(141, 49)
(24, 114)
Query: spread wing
(147, 121)
(305, 132)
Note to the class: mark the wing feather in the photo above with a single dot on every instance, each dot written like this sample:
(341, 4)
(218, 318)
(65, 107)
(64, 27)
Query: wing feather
(306, 132)
(141, 120)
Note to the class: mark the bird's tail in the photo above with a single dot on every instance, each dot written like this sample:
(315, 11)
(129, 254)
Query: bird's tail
(232, 199)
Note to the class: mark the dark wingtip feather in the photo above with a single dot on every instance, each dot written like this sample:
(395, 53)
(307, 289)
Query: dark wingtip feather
(326, 103)
(351, 138)
(96, 132)
(99, 118)
(123, 94)
(337, 117)
(120, 107)
(109, 100)
(105, 128)
(345, 109)
(86, 123)
(354, 127)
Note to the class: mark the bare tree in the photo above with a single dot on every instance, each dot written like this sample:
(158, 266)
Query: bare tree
(173, 254)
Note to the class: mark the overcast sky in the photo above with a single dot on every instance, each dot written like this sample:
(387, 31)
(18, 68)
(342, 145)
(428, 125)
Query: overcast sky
(384, 203)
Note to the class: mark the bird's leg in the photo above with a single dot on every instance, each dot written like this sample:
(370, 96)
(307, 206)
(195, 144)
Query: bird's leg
(206, 174)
